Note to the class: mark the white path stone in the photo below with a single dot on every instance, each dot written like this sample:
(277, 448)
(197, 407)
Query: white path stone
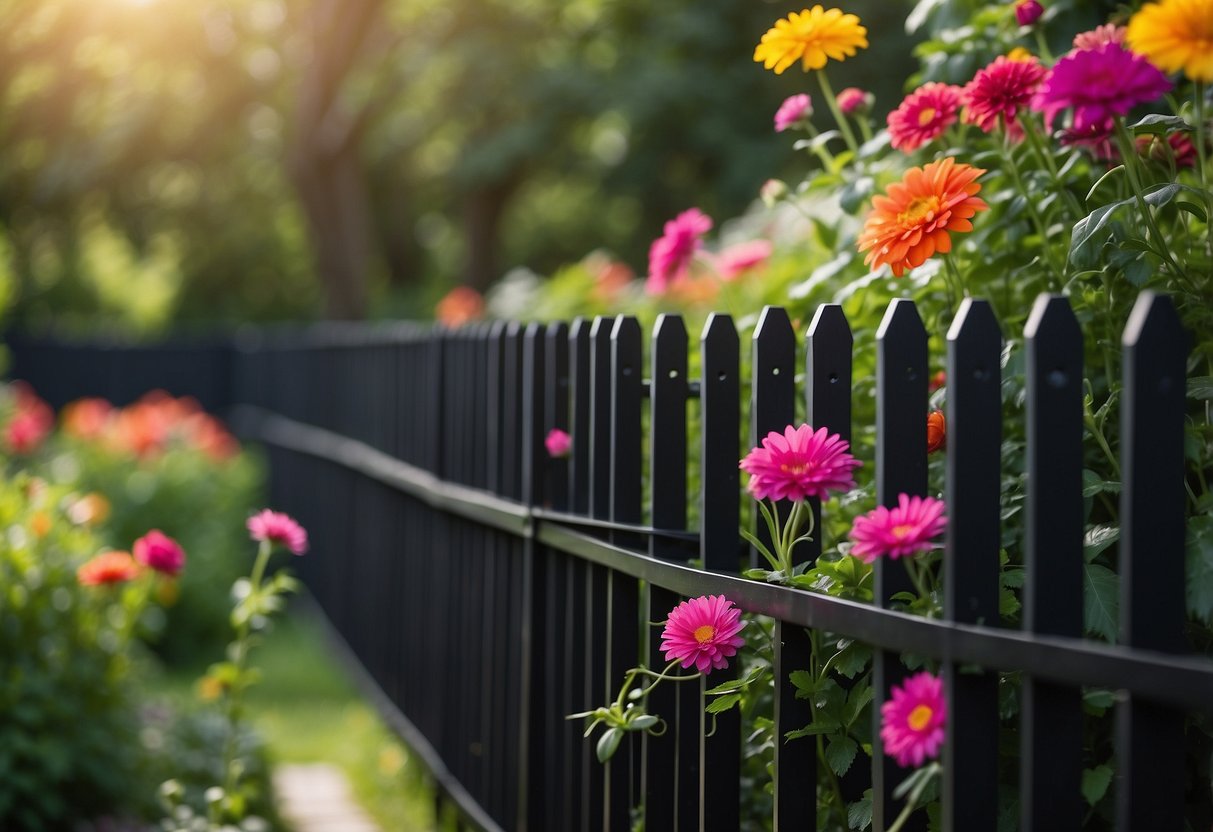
(316, 798)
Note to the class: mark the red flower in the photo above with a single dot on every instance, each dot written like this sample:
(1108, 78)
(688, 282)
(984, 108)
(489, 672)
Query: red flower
(798, 464)
(108, 568)
(937, 431)
(923, 115)
(999, 92)
(275, 527)
(160, 552)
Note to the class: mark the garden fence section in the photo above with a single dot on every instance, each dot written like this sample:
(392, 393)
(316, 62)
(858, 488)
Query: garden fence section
(489, 590)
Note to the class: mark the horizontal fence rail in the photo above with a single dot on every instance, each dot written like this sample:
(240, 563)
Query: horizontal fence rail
(486, 589)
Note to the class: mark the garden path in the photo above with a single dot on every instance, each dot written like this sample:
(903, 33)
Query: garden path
(315, 797)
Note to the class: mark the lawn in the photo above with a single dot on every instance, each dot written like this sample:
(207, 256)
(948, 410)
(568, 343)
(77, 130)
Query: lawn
(308, 710)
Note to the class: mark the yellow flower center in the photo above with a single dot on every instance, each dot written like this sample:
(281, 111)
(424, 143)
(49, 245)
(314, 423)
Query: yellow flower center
(925, 115)
(919, 717)
(920, 208)
(705, 633)
(794, 467)
(902, 531)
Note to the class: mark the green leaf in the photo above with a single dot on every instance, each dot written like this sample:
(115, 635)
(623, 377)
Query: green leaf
(1099, 699)
(1093, 484)
(854, 194)
(804, 682)
(1200, 387)
(643, 722)
(1198, 549)
(823, 727)
(1193, 208)
(840, 753)
(859, 813)
(1098, 538)
(1008, 604)
(1083, 243)
(608, 744)
(1101, 601)
(718, 706)
(1095, 782)
(1158, 124)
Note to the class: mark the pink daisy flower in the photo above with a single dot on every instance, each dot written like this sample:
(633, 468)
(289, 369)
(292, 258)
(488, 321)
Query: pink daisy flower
(276, 527)
(853, 100)
(740, 258)
(1028, 12)
(1100, 35)
(912, 720)
(558, 443)
(798, 464)
(999, 91)
(905, 529)
(1098, 84)
(703, 632)
(671, 253)
(793, 109)
(923, 115)
(158, 551)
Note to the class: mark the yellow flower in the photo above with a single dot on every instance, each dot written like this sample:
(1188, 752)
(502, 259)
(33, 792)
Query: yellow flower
(1019, 54)
(811, 37)
(1175, 35)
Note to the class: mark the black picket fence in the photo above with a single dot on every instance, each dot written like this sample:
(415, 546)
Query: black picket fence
(488, 590)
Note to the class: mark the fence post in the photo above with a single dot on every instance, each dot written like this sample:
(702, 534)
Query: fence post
(556, 413)
(719, 523)
(970, 562)
(1149, 737)
(667, 759)
(901, 467)
(1050, 770)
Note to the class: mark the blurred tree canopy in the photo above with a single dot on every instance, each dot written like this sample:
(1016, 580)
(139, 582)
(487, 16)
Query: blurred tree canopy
(174, 161)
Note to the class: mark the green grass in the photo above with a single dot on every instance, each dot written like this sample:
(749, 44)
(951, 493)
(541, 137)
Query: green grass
(308, 710)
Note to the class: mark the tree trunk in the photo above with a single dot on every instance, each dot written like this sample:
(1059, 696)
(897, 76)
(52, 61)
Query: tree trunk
(324, 160)
(482, 212)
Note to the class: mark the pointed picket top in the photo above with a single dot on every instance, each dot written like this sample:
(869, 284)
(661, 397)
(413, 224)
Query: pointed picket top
(668, 420)
(901, 321)
(828, 352)
(975, 324)
(1051, 318)
(626, 382)
(719, 328)
(1153, 317)
(773, 373)
(720, 412)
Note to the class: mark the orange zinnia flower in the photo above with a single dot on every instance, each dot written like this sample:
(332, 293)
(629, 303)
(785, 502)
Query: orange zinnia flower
(912, 221)
(108, 568)
(937, 431)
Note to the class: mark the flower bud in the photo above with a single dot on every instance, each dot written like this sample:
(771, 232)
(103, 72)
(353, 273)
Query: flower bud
(1028, 12)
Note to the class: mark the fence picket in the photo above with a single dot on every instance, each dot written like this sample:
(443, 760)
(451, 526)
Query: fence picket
(668, 509)
(901, 467)
(1050, 775)
(970, 562)
(773, 408)
(556, 413)
(1150, 737)
(719, 520)
(579, 416)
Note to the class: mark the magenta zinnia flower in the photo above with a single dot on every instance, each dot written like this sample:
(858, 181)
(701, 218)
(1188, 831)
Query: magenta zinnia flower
(275, 527)
(703, 632)
(853, 100)
(793, 109)
(1028, 12)
(158, 551)
(1097, 37)
(1098, 84)
(998, 92)
(798, 464)
(905, 529)
(671, 253)
(912, 720)
(923, 115)
(558, 443)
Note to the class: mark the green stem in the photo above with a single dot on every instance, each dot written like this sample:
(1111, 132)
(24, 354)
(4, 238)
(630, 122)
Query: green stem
(952, 269)
(1032, 136)
(832, 103)
(1199, 93)
(819, 148)
(1128, 151)
(911, 805)
(1042, 45)
(865, 129)
(1089, 418)
(818, 672)
(1008, 152)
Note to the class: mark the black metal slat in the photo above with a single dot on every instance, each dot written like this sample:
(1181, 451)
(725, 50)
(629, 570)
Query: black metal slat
(720, 391)
(901, 467)
(668, 508)
(1149, 737)
(773, 408)
(1050, 774)
(974, 419)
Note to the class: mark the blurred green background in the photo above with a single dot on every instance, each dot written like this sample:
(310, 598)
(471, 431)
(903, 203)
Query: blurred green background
(187, 162)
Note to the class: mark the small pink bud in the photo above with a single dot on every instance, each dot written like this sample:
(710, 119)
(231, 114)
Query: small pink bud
(1028, 12)
(558, 444)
